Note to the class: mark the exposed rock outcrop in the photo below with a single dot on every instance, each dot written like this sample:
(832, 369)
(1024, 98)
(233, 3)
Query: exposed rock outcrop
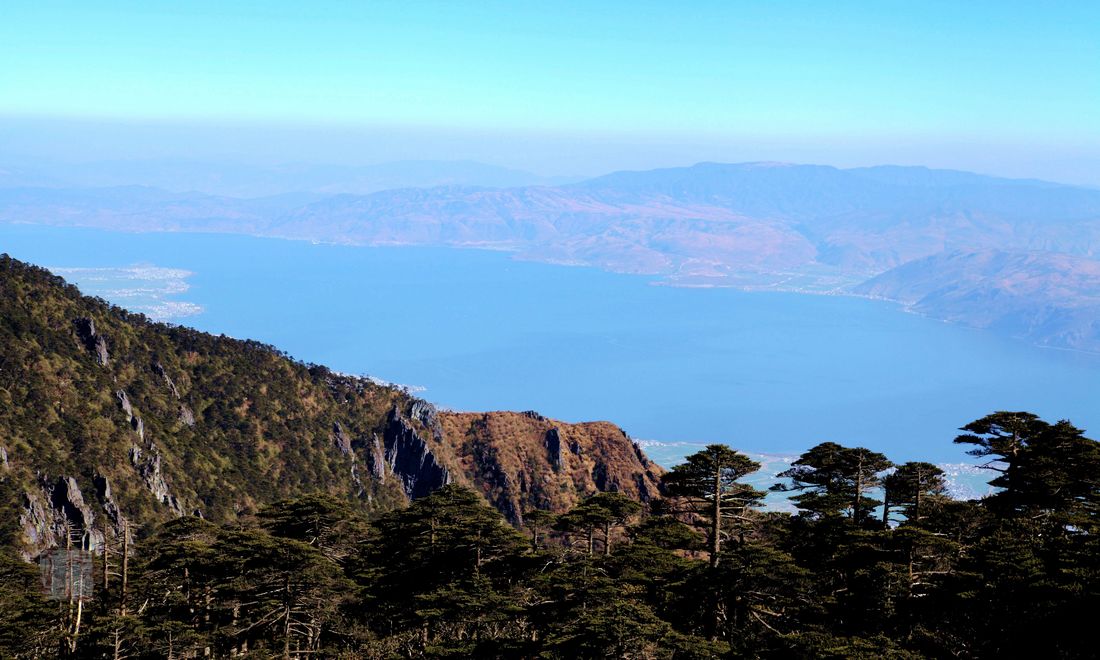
(428, 416)
(147, 464)
(186, 416)
(519, 460)
(36, 525)
(376, 459)
(51, 511)
(124, 403)
(106, 498)
(344, 443)
(159, 369)
(93, 341)
(136, 424)
(341, 439)
(554, 449)
(408, 456)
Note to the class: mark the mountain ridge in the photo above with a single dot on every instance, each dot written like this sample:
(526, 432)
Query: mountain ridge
(109, 422)
(766, 226)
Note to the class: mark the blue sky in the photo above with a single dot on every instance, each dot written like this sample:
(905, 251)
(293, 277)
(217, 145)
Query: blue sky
(1009, 87)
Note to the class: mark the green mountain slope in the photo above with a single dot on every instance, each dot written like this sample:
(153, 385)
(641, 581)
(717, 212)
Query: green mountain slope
(110, 421)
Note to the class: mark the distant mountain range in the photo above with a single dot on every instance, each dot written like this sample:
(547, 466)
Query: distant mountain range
(1017, 256)
(1048, 298)
(240, 180)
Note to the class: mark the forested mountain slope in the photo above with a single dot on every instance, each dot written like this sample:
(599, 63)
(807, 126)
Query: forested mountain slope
(307, 550)
(107, 418)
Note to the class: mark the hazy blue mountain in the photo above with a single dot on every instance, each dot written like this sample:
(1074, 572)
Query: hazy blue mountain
(749, 225)
(14, 176)
(814, 192)
(1050, 299)
(243, 180)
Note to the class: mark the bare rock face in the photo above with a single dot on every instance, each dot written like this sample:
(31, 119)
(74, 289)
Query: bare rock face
(554, 451)
(103, 491)
(159, 369)
(124, 403)
(69, 502)
(408, 456)
(428, 416)
(186, 415)
(376, 460)
(36, 524)
(147, 464)
(135, 422)
(93, 341)
(343, 442)
(341, 439)
(54, 510)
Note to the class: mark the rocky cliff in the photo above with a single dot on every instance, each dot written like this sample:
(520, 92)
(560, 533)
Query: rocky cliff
(110, 423)
(524, 461)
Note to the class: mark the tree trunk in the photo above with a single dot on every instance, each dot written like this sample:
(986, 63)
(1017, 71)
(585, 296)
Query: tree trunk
(286, 619)
(859, 489)
(716, 517)
(912, 552)
(920, 487)
(477, 556)
(106, 564)
(117, 646)
(607, 539)
(125, 570)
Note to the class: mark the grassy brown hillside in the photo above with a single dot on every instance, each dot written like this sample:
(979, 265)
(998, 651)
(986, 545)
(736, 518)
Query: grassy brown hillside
(109, 421)
(1048, 299)
(523, 460)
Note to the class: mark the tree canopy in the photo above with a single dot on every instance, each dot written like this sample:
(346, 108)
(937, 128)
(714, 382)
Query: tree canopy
(876, 561)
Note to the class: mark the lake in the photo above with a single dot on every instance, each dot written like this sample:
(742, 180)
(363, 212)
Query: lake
(763, 372)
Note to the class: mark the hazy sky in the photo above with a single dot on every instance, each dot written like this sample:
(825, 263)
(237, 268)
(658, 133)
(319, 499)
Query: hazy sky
(558, 87)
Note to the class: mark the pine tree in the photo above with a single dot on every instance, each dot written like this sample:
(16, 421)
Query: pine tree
(909, 487)
(602, 511)
(439, 569)
(709, 481)
(537, 522)
(1001, 438)
(317, 520)
(28, 622)
(831, 479)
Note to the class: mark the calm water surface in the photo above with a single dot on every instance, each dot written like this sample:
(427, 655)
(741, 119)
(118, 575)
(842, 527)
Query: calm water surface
(766, 372)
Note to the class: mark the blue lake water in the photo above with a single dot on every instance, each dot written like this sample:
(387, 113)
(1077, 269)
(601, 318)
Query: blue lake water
(764, 372)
